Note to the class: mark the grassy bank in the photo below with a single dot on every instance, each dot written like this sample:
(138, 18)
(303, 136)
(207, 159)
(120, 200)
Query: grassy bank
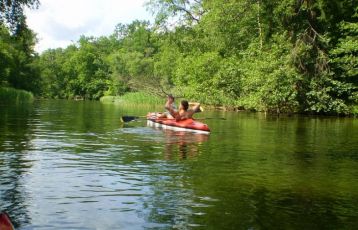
(137, 98)
(15, 96)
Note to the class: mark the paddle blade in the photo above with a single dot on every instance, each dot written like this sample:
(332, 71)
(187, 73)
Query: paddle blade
(199, 110)
(128, 118)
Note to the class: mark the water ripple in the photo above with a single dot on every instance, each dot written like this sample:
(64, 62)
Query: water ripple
(70, 165)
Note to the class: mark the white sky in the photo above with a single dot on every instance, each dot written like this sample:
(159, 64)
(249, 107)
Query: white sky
(59, 23)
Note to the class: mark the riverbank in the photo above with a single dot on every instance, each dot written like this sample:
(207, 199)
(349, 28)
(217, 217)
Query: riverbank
(141, 98)
(15, 96)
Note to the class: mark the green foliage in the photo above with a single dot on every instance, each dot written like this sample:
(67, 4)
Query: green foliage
(132, 64)
(77, 71)
(345, 60)
(268, 78)
(52, 73)
(274, 56)
(165, 62)
(195, 73)
(355, 110)
(324, 96)
(229, 26)
(6, 55)
(334, 90)
(18, 67)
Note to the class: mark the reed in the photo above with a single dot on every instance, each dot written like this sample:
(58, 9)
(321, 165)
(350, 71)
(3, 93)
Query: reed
(134, 98)
(15, 96)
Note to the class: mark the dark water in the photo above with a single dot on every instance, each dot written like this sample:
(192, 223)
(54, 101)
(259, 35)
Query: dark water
(73, 165)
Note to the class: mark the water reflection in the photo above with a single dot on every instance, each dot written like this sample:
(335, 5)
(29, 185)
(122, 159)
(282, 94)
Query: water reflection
(15, 136)
(70, 165)
(182, 144)
(170, 201)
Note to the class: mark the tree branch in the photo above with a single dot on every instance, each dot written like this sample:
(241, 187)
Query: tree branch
(186, 11)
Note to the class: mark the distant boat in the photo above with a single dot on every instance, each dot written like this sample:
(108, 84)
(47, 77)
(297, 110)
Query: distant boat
(78, 98)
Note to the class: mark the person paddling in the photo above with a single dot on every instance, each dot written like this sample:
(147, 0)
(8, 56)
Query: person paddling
(184, 112)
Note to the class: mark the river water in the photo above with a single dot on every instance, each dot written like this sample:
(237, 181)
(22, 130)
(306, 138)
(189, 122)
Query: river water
(74, 165)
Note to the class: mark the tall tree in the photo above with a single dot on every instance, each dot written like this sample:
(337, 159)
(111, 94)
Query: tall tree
(17, 47)
(132, 62)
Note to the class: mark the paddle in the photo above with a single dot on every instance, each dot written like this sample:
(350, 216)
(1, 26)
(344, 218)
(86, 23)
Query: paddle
(211, 118)
(198, 110)
(130, 118)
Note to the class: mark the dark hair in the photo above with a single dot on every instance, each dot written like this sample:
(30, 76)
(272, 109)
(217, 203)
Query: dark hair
(185, 104)
(171, 96)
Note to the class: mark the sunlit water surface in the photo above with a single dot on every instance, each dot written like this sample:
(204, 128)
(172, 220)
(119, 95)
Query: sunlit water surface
(73, 165)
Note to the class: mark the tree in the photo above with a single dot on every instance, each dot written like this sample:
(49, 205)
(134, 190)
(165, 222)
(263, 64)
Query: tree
(18, 67)
(6, 55)
(132, 63)
(178, 12)
(53, 73)
(12, 12)
(276, 56)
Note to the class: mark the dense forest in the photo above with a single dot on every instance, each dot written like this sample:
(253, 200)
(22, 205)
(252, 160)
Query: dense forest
(276, 56)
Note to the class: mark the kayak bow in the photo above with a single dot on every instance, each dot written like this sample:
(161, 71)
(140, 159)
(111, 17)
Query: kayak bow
(5, 222)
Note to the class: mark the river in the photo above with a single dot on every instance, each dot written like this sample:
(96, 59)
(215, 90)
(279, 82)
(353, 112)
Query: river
(74, 165)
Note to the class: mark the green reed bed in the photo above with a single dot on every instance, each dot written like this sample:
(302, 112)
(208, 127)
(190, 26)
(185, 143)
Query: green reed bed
(136, 98)
(15, 96)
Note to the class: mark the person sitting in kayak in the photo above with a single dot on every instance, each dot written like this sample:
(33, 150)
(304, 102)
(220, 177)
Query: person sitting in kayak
(184, 111)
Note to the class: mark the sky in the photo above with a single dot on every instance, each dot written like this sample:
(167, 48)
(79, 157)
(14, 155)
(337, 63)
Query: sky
(59, 23)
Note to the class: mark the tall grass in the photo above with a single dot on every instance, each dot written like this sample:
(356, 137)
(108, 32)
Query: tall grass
(136, 98)
(15, 96)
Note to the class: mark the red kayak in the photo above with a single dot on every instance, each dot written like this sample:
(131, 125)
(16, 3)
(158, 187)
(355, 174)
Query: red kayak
(189, 125)
(5, 222)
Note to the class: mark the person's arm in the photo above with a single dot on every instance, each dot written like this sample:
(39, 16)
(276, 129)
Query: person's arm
(196, 107)
(169, 107)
